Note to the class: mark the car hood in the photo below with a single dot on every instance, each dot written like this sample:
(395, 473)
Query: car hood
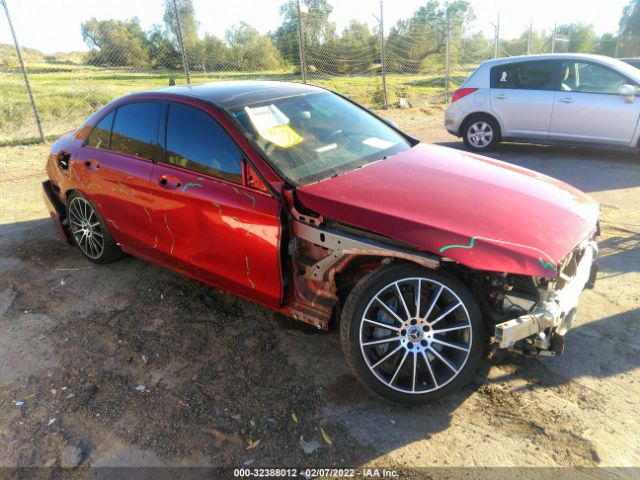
(483, 213)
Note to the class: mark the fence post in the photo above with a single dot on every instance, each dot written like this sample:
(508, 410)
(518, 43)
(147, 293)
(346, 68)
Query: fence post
(303, 67)
(447, 54)
(553, 38)
(382, 57)
(496, 27)
(185, 63)
(24, 71)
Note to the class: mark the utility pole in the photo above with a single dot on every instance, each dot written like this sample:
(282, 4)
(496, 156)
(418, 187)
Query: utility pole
(185, 63)
(303, 67)
(553, 38)
(529, 37)
(382, 54)
(24, 71)
(496, 27)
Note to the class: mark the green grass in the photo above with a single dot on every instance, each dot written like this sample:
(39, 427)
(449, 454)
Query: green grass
(66, 94)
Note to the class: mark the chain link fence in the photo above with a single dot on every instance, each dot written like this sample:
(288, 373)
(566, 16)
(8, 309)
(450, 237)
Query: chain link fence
(416, 61)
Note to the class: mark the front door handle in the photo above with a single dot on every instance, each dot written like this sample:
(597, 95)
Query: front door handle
(169, 181)
(566, 100)
(500, 96)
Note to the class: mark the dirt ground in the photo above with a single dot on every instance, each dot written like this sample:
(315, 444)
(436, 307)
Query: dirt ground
(129, 364)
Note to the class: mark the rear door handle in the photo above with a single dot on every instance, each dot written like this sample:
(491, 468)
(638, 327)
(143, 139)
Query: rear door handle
(500, 96)
(566, 100)
(169, 181)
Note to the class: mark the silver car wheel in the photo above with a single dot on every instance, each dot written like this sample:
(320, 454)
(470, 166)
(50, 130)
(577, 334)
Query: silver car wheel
(415, 335)
(480, 134)
(85, 228)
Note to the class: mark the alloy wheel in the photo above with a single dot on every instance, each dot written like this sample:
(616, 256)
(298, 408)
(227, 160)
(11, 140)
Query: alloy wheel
(480, 134)
(415, 335)
(85, 227)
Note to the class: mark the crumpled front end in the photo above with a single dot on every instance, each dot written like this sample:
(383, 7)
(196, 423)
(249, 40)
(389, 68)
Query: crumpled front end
(541, 329)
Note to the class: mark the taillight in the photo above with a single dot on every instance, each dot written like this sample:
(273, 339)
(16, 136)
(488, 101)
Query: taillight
(461, 93)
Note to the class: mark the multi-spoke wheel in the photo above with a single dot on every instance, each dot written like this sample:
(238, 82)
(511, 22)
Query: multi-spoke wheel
(89, 231)
(481, 133)
(410, 334)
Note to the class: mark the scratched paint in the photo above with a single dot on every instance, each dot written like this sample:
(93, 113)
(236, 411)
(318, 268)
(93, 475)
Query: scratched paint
(189, 185)
(113, 223)
(94, 185)
(247, 226)
(549, 264)
(173, 240)
(252, 198)
(246, 259)
(148, 214)
(217, 205)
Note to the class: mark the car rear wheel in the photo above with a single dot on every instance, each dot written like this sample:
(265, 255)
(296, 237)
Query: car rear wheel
(411, 335)
(89, 231)
(481, 133)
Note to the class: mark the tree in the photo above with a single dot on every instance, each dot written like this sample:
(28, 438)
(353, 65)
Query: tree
(607, 45)
(581, 37)
(114, 42)
(251, 51)
(188, 26)
(412, 41)
(358, 49)
(318, 32)
(162, 52)
(630, 29)
(630, 20)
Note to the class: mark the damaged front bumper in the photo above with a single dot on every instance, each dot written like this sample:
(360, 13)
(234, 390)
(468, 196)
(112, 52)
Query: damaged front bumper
(542, 330)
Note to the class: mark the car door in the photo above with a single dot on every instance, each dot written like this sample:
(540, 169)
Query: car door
(116, 162)
(522, 98)
(213, 226)
(589, 108)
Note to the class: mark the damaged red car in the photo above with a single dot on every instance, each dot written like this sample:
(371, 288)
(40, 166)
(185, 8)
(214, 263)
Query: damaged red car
(300, 200)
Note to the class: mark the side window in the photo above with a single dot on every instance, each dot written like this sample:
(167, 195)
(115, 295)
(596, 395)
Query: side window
(523, 76)
(197, 142)
(590, 78)
(135, 130)
(99, 136)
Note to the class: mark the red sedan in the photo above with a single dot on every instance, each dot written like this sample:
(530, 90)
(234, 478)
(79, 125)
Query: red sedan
(303, 201)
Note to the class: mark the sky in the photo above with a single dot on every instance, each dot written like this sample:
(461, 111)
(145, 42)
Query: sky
(55, 26)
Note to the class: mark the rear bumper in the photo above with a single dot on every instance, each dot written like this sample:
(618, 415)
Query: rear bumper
(57, 210)
(547, 324)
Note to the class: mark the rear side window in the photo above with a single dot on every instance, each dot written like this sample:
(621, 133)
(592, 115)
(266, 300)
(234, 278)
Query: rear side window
(197, 142)
(99, 136)
(135, 130)
(523, 76)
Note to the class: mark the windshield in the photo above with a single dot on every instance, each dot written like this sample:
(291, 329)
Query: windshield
(311, 137)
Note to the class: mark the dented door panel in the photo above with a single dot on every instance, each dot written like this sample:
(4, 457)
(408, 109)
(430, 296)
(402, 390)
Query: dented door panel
(224, 234)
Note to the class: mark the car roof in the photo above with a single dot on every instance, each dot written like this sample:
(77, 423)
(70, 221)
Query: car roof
(614, 63)
(230, 94)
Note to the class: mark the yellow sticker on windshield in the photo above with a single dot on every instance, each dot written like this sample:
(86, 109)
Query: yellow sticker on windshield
(282, 136)
(273, 126)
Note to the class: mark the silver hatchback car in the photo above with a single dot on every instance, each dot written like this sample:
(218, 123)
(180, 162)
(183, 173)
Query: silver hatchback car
(569, 99)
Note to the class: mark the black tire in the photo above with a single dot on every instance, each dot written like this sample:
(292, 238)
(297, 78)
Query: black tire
(477, 130)
(89, 231)
(428, 375)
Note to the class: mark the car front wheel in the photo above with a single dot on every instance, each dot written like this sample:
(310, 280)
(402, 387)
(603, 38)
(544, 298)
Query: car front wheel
(411, 335)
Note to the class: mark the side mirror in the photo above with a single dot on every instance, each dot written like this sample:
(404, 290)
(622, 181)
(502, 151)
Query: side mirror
(628, 92)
